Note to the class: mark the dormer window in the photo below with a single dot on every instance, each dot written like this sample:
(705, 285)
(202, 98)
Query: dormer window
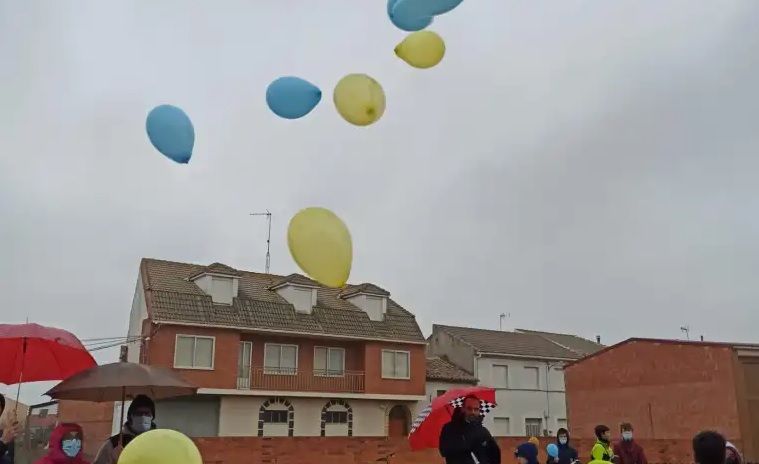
(219, 281)
(299, 291)
(370, 298)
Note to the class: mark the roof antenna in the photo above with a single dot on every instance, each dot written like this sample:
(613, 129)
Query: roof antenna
(501, 318)
(268, 238)
(686, 329)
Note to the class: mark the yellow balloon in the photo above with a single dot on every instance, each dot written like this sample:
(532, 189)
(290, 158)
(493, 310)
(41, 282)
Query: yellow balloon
(321, 245)
(359, 99)
(421, 49)
(160, 446)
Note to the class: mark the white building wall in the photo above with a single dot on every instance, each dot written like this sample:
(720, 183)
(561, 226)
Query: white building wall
(238, 416)
(518, 399)
(138, 313)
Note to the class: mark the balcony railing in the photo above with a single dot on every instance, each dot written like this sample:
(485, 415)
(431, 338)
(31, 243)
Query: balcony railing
(286, 379)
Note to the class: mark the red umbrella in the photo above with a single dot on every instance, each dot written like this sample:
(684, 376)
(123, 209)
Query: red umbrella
(425, 431)
(31, 353)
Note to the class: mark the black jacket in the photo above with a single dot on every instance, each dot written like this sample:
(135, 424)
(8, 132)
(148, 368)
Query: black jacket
(567, 454)
(459, 440)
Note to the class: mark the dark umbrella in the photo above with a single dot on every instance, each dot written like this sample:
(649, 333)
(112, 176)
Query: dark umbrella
(122, 380)
(32, 352)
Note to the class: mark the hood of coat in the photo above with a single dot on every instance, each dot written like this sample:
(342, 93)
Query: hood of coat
(55, 454)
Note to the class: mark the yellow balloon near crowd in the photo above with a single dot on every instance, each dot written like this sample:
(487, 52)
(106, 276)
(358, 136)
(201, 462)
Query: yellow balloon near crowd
(421, 49)
(320, 244)
(161, 446)
(359, 99)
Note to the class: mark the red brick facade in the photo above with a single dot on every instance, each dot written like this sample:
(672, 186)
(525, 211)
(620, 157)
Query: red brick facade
(360, 356)
(306, 450)
(667, 390)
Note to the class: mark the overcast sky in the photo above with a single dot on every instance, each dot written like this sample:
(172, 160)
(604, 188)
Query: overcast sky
(587, 166)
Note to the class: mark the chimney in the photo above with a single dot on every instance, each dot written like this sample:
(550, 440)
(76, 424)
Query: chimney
(598, 339)
(702, 338)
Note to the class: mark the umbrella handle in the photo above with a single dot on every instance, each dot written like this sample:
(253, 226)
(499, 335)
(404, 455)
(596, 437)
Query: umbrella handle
(20, 380)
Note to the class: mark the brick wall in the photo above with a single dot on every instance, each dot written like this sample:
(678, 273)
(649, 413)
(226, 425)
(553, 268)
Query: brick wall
(95, 419)
(666, 390)
(306, 450)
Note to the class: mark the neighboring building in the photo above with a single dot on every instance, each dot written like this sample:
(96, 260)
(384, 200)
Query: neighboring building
(40, 421)
(669, 389)
(443, 375)
(525, 368)
(277, 356)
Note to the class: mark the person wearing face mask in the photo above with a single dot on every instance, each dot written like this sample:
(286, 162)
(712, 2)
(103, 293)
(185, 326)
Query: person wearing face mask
(628, 450)
(464, 440)
(567, 454)
(602, 449)
(65, 446)
(140, 418)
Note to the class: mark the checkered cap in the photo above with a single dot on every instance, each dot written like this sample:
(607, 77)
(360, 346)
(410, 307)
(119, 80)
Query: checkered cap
(485, 408)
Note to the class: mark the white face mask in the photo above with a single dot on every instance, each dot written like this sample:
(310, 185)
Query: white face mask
(627, 436)
(563, 440)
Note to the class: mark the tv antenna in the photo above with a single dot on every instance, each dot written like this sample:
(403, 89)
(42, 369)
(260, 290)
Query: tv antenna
(501, 317)
(686, 330)
(268, 237)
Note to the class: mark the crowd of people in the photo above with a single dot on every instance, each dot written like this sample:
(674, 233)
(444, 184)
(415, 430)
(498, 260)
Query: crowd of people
(66, 444)
(465, 440)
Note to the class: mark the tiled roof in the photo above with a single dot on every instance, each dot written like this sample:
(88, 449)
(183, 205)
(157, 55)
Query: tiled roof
(579, 345)
(173, 298)
(364, 288)
(508, 343)
(443, 370)
(216, 268)
(296, 279)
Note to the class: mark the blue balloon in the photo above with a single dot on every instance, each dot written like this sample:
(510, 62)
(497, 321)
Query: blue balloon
(423, 8)
(292, 97)
(171, 132)
(552, 450)
(403, 20)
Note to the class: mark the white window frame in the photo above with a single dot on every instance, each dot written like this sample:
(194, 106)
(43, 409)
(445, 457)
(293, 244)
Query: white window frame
(271, 372)
(541, 423)
(195, 337)
(326, 373)
(508, 421)
(537, 370)
(508, 374)
(395, 352)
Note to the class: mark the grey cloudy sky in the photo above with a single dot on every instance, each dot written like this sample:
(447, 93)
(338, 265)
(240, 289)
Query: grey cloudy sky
(587, 166)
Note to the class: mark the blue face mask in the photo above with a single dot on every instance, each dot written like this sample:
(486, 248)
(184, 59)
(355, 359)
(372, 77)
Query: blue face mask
(71, 447)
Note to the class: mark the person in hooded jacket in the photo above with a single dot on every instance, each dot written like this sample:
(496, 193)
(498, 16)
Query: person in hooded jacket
(140, 418)
(65, 446)
(567, 454)
(732, 454)
(527, 453)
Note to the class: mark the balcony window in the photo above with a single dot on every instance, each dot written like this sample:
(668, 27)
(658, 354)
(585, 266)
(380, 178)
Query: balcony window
(280, 359)
(395, 364)
(243, 365)
(193, 352)
(329, 362)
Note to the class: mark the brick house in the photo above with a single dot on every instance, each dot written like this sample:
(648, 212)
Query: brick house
(277, 355)
(668, 389)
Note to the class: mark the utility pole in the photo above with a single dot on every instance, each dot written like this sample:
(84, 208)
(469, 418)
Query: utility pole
(268, 238)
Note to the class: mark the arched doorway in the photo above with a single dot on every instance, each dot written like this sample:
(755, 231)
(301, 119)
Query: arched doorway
(398, 421)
